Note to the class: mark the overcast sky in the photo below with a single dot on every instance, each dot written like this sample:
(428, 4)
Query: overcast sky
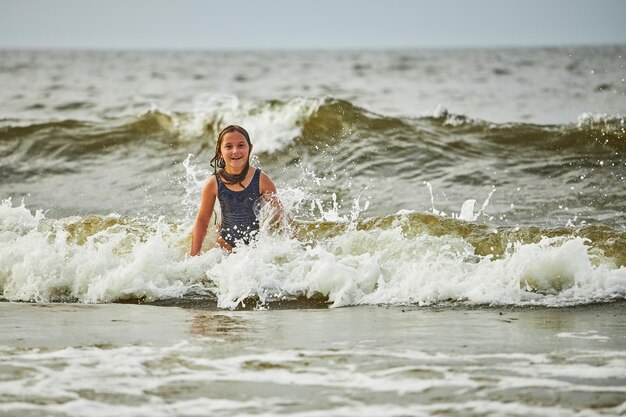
(308, 24)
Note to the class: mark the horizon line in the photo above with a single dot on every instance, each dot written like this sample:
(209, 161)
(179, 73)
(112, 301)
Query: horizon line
(304, 48)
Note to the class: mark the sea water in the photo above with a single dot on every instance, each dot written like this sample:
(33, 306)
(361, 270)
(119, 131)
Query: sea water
(459, 211)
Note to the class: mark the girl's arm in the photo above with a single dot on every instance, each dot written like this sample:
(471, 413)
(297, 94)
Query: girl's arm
(268, 191)
(209, 193)
(266, 186)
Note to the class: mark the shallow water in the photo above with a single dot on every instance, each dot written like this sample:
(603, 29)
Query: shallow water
(378, 361)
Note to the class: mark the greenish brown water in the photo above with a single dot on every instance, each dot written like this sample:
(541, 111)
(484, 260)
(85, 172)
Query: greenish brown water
(458, 243)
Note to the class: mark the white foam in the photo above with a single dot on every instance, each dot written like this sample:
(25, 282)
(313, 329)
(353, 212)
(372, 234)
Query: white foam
(588, 119)
(272, 126)
(588, 335)
(17, 219)
(449, 119)
(467, 210)
(40, 261)
(382, 266)
(146, 380)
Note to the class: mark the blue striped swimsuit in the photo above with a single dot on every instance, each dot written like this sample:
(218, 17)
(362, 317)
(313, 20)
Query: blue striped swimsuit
(239, 220)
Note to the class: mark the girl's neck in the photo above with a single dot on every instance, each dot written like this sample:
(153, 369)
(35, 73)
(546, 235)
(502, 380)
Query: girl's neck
(231, 171)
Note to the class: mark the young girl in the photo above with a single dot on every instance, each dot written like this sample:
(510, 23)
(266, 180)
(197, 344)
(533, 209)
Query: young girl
(238, 186)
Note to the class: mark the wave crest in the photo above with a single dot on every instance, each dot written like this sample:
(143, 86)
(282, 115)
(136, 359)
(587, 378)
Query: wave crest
(274, 125)
(402, 259)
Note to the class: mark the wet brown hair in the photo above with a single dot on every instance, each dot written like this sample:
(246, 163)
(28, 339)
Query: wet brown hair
(218, 163)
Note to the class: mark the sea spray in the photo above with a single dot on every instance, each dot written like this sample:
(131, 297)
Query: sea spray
(369, 261)
(94, 143)
(543, 173)
(94, 259)
(113, 175)
(384, 266)
(272, 124)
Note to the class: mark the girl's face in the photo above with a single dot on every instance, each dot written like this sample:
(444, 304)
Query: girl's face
(235, 151)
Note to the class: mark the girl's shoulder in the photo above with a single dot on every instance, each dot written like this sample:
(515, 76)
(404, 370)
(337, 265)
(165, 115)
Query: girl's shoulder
(211, 184)
(265, 184)
(254, 170)
(258, 171)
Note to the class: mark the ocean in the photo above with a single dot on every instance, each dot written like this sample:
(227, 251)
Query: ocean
(458, 243)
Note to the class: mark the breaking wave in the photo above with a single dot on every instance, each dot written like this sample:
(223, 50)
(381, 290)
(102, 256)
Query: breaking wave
(413, 258)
